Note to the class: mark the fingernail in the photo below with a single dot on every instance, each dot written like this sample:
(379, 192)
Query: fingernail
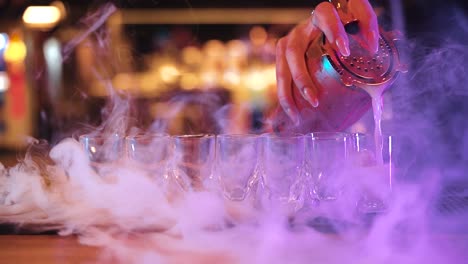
(373, 40)
(311, 99)
(342, 45)
(315, 102)
(296, 120)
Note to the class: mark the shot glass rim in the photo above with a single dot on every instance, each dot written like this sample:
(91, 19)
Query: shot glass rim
(370, 135)
(237, 135)
(324, 135)
(283, 135)
(88, 136)
(146, 135)
(194, 136)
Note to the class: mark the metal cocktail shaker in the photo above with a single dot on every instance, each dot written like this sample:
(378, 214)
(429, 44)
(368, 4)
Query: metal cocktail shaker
(344, 77)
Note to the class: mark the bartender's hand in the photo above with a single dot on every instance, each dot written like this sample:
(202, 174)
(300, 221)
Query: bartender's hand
(291, 49)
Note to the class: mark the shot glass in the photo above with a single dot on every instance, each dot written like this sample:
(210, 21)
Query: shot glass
(327, 160)
(283, 167)
(193, 163)
(373, 171)
(237, 171)
(151, 153)
(103, 151)
(237, 164)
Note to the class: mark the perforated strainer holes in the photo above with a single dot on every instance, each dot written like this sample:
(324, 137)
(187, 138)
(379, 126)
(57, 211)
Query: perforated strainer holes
(364, 66)
(381, 61)
(361, 63)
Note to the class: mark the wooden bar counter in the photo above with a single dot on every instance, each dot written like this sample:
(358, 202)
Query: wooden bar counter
(42, 249)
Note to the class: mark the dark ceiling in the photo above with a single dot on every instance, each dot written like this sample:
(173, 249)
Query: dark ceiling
(416, 11)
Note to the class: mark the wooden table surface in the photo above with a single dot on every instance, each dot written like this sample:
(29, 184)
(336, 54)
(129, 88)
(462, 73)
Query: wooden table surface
(42, 249)
(51, 249)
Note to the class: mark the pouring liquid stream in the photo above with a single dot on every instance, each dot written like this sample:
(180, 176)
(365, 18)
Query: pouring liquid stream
(376, 94)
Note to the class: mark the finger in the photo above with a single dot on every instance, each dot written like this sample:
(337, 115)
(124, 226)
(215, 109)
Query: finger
(295, 49)
(363, 11)
(284, 82)
(327, 20)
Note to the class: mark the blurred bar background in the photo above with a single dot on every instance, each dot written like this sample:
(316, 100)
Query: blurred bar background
(59, 58)
(193, 66)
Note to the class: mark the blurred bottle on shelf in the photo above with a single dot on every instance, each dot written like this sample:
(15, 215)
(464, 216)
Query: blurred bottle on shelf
(15, 96)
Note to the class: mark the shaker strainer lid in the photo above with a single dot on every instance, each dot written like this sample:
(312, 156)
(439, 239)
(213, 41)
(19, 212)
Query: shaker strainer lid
(361, 68)
(364, 68)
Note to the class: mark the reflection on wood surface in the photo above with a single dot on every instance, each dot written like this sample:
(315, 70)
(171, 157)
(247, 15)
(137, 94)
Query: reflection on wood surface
(50, 249)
